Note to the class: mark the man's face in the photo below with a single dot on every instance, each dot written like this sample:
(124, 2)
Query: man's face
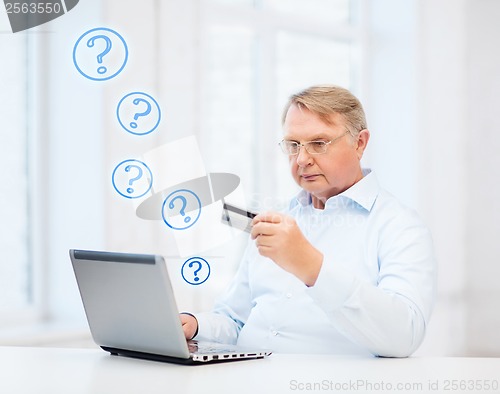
(328, 174)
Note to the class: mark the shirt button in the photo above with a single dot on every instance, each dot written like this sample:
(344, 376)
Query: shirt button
(274, 332)
(288, 295)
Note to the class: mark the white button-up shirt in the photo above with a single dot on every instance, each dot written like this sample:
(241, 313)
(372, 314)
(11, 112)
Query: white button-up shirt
(374, 293)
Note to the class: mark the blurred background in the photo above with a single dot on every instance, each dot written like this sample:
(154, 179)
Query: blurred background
(221, 70)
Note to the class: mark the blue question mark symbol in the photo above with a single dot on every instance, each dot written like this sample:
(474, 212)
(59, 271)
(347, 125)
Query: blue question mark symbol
(137, 115)
(132, 180)
(182, 211)
(91, 43)
(196, 279)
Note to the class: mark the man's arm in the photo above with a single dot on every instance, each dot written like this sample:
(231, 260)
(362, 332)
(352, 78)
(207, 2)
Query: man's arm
(389, 318)
(229, 315)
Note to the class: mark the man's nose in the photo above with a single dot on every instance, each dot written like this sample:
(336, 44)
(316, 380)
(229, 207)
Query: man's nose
(304, 158)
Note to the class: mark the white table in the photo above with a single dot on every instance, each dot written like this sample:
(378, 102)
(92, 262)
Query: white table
(74, 371)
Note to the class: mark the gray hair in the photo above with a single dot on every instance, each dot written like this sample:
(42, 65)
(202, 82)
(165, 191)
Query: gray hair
(326, 100)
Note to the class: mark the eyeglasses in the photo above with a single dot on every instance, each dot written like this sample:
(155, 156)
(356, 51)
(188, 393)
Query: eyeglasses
(292, 148)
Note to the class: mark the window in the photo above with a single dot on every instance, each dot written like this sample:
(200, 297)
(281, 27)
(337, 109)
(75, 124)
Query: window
(254, 55)
(229, 99)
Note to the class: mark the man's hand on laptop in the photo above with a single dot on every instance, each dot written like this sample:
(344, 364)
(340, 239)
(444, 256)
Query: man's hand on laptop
(189, 325)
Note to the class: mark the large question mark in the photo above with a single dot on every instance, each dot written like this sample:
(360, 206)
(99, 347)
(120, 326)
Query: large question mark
(91, 43)
(132, 180)
(196, 279)
(182, 212)
(137, 115)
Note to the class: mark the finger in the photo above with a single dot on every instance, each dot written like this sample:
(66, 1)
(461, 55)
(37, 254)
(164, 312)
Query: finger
(263, 228)
(265, 239)
(269, 217)
(265, 250)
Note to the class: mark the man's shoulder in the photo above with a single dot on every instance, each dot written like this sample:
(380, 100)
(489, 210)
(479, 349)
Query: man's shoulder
(393, 213)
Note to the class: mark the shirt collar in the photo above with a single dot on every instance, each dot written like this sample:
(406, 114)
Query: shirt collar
(364, 192)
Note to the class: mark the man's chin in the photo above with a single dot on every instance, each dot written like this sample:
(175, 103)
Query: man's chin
(316, 192)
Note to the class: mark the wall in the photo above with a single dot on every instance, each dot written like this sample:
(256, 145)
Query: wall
(442, 168)
(482, 188)
(458, 92)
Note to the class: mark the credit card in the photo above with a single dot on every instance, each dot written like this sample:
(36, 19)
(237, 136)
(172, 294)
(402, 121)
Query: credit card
(237, 217)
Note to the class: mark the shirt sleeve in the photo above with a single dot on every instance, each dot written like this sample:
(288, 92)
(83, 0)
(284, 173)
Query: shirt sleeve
(390, 317)
(231, 310)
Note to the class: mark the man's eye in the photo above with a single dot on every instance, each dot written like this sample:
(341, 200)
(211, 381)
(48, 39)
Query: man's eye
(317, 144)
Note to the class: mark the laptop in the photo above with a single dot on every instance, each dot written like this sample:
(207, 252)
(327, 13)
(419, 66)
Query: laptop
(131, 310)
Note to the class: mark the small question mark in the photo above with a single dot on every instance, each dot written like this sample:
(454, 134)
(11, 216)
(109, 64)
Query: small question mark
(137, 115)
(132, 180)
(184, 203)
(200, 266)
(91, 43)
(196, 279)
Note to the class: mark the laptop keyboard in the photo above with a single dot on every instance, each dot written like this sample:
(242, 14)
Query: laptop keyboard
(210, 348)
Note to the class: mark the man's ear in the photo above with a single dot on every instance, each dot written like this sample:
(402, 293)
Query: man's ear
(363, 138)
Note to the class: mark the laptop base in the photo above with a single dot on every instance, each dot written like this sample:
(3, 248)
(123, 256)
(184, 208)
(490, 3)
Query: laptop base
(167, 359)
